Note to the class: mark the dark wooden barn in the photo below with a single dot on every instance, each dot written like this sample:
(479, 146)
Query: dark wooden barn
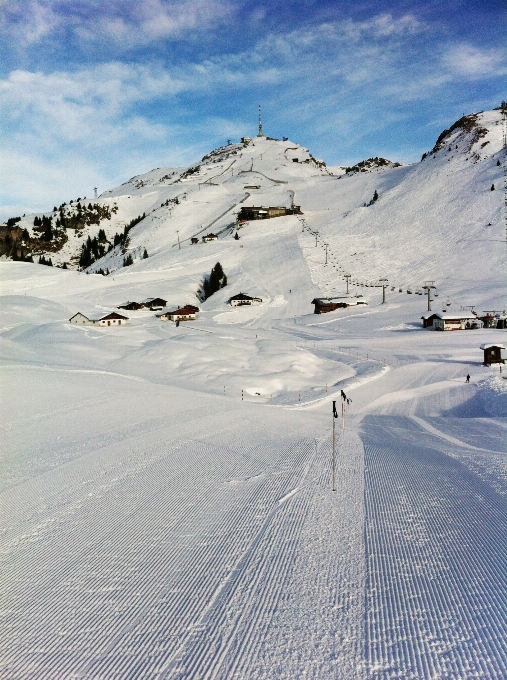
(493, 353)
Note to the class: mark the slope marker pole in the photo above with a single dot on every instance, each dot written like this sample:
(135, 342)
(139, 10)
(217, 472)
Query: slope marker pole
(335, 415)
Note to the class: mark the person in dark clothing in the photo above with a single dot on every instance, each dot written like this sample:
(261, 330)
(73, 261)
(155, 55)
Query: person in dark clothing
(468, 378)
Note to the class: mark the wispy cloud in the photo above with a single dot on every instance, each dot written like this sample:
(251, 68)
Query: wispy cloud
(470, 62)
(122, 23)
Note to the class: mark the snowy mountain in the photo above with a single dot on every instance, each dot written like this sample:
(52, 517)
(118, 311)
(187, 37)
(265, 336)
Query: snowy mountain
(444, 205)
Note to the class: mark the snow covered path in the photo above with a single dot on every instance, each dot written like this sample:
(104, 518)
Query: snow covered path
(435, 540)
(174, 535)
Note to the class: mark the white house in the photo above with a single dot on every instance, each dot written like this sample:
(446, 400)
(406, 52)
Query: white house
(113, 319)
(81, 319)
(209, 237)
(457, 321)
(243, 299)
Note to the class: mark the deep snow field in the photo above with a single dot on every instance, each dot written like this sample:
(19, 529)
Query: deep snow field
(155, 524)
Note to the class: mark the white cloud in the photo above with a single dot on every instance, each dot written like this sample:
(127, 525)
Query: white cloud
(471, 62)
(122, 23)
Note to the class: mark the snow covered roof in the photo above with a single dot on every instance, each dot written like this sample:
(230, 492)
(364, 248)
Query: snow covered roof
(112, 315)
(242, 296)
(487, 345)
(457, 315)
(323, 300)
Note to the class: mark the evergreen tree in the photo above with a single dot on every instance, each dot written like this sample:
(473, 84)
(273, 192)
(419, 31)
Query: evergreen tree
(216, 280)
(375, 195)
(145, 254)
(492, 187)
(236, 236)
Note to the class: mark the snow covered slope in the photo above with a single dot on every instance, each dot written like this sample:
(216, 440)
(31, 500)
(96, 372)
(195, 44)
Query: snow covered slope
(166, 492)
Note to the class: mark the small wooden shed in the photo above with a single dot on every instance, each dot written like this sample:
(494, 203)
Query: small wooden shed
(427, 319)
(493, 353)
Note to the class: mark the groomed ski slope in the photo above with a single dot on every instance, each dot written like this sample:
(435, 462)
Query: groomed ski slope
(165, 492)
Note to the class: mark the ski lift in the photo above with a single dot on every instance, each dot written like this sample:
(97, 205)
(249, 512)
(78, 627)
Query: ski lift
(392, 288)
(409, 292)
(418, 291)
(448, 303)
(400, 290)
(435, 294)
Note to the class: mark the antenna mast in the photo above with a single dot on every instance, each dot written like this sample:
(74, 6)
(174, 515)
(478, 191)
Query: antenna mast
(260, 134)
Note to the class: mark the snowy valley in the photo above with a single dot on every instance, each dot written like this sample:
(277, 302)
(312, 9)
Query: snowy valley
(167, 502)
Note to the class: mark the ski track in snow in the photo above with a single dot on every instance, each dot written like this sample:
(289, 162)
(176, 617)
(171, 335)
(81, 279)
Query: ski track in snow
(203, 577)
(435, 540)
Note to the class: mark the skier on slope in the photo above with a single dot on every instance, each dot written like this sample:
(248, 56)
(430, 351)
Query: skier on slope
(468, 378)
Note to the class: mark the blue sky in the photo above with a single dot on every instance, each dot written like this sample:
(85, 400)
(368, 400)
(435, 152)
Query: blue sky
(93, 92)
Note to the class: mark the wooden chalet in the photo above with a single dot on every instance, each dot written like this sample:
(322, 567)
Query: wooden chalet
(194, 239)
(130, 305)
(186, 313)
(493, 353)
(209, 237)
(153, 303)
(248, 213)
(324, 305)
(243, 299)
(457, 321)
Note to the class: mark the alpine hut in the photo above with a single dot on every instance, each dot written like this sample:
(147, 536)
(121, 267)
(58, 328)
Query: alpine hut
(186, 313)
(324, 305)
(81, 319)
(243, 299)
(457, 321)
(130, 305)
(493, 353)
(113, 319)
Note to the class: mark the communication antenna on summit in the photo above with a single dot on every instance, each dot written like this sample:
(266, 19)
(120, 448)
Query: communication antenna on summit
(94, 192)
(260, 134)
